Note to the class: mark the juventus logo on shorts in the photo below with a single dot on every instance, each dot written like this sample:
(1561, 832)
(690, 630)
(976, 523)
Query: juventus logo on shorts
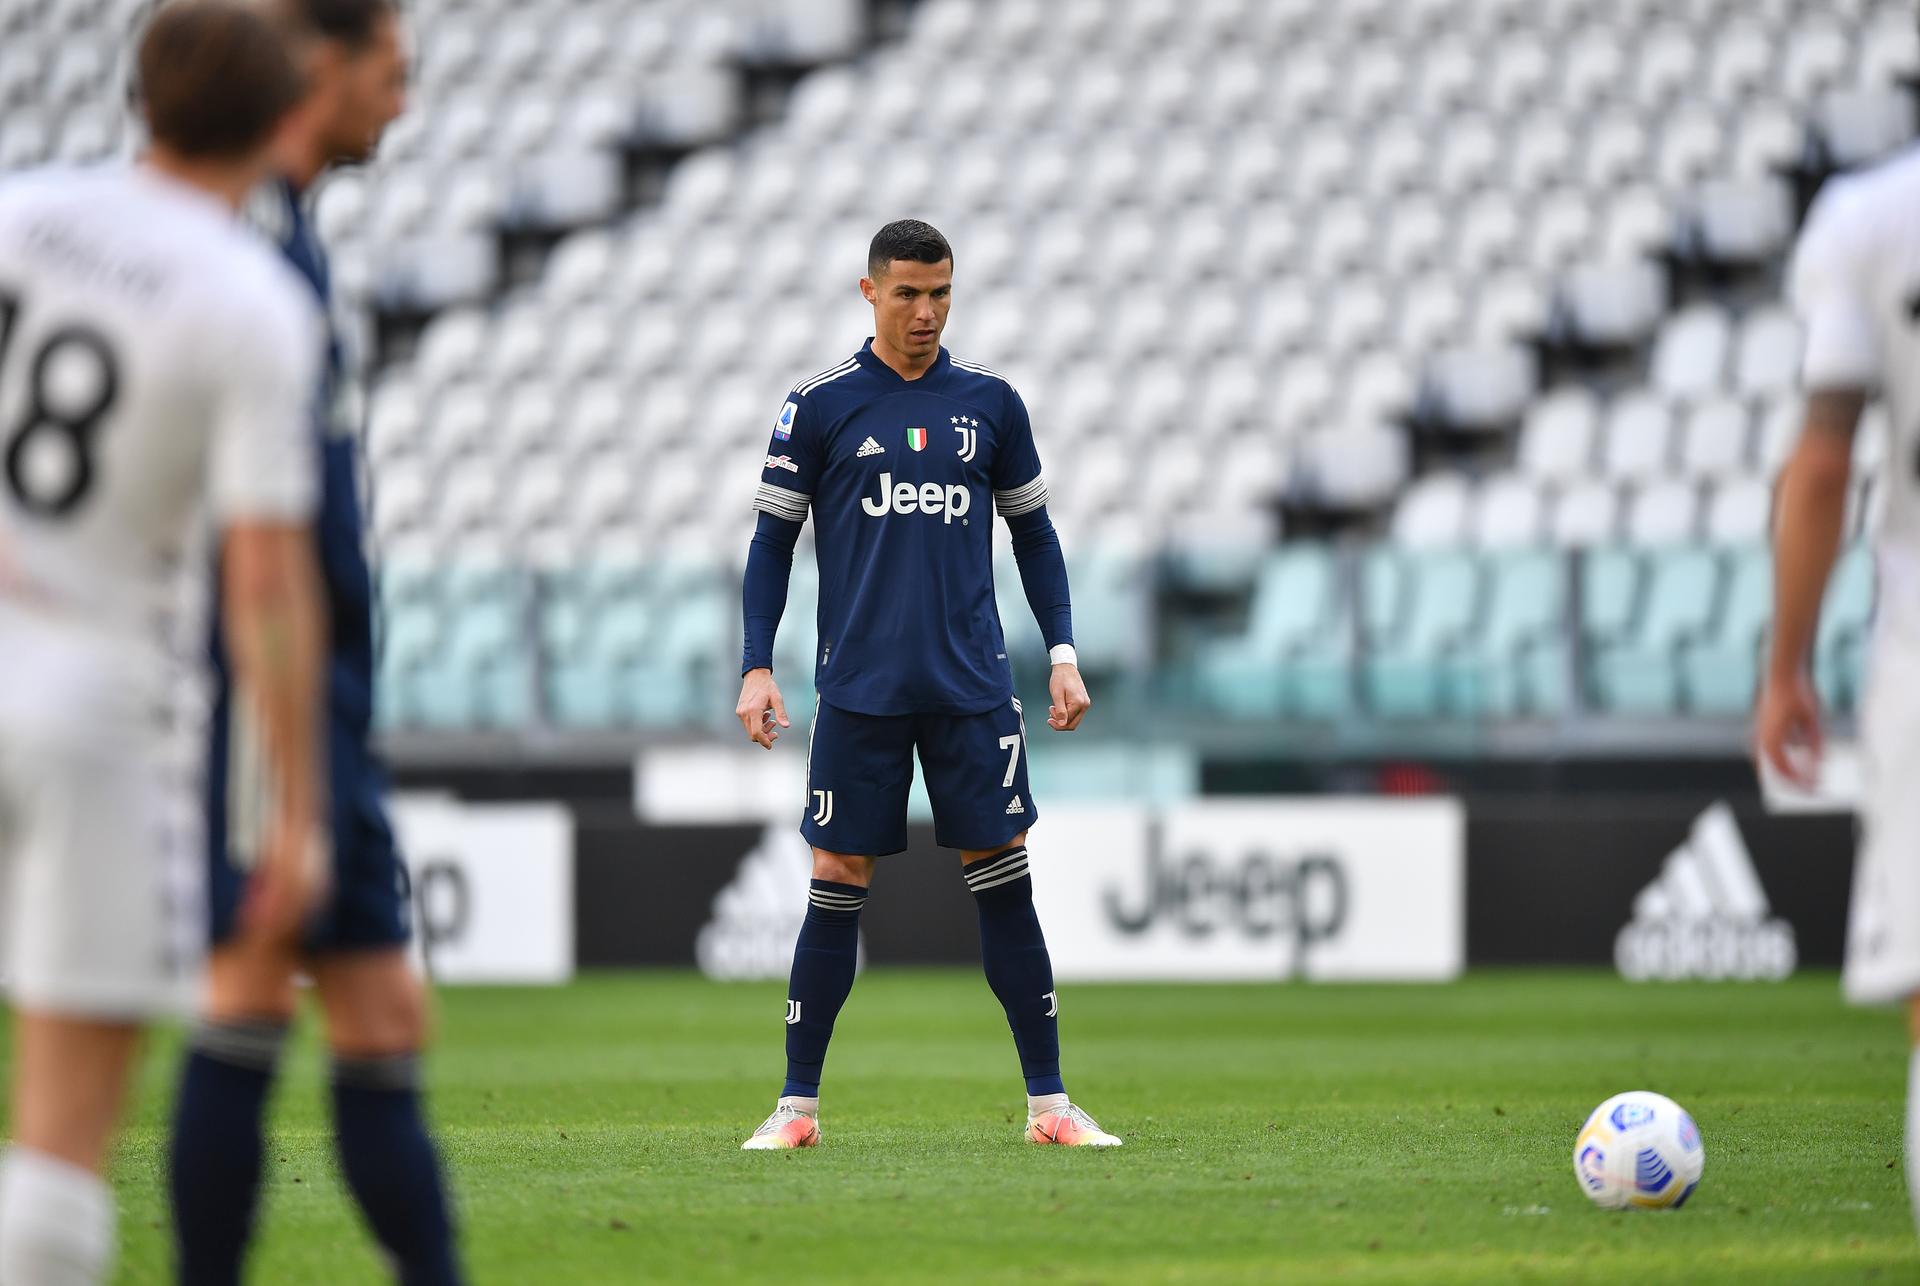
(823, 807)
(1053, 1004)
(793, 1012)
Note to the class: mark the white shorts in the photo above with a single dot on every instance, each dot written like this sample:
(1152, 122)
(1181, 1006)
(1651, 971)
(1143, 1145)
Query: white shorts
(102, 902)
(1883, 923)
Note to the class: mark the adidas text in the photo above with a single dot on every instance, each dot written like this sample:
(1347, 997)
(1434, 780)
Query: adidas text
(869, 447)
(1016, 807)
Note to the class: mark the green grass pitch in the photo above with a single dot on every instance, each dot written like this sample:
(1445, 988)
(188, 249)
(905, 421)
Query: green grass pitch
(1274, 1133)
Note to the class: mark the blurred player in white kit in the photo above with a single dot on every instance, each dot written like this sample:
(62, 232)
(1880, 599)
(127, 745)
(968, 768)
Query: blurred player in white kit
(157, 361)
(1855, 282)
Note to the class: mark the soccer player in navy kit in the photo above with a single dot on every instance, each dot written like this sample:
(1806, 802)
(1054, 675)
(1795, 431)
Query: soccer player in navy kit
(354, 949)
(903, 453)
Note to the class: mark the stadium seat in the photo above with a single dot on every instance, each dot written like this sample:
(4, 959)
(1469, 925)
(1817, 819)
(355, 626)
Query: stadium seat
(1508, 513)
(1854, 127)
(1586, 514)
(1419, 610)
(1637, 442)
(1721, 669)
(1740, 512)
(1516, 665)
(1690, 357)
(1433, 513)
(1741, 222)
(1767, 361)
(1663, 513)
(1480, 389)
(1556, 439)
(1292, 660)
(1714, 442)
(1639, 673)
(1611, 304)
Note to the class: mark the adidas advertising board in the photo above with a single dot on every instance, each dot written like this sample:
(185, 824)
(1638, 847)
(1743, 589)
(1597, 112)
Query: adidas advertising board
(1681, 886)
(756, 918)
(492, 888)
(1319, 889)
(1706, 915)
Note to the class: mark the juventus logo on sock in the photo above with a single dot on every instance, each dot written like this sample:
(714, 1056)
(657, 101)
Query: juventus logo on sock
(793, 1012)
(1053, 1004)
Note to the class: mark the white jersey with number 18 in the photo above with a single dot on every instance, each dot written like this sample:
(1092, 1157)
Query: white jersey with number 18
(1855, 283)
(157, 367)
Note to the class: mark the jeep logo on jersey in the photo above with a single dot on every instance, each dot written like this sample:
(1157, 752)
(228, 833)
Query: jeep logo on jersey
(947, 503)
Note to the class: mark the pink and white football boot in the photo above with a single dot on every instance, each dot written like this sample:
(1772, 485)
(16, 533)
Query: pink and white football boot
(789, 1127)
(1068, 1126)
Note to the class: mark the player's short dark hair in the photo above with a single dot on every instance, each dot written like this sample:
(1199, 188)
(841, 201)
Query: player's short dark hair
(214, 78)
(909, 239)
(351, 22)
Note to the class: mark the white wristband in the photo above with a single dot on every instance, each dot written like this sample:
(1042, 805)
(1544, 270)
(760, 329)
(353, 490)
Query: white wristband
(1063, 654)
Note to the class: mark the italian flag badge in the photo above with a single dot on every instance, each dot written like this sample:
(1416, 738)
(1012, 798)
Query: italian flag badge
(917, 439)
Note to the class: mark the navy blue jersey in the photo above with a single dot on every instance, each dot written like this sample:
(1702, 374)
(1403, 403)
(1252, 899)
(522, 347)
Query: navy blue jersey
(903, 478)
(357, 781)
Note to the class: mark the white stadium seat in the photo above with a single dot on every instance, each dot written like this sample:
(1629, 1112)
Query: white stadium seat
(1557, 437)
(1739, 512)
(1636, 444)
(1714, 442)
(1586, 514)
(1690, 357)
(1767, 360)
(1509, 513)
(1433, 513)
(1663, 514)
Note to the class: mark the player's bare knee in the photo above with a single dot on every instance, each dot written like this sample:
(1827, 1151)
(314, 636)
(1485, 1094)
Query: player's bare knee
(1913, 1019)
(970, 856)
(842, 868)
(374, 1007)
(245, 983)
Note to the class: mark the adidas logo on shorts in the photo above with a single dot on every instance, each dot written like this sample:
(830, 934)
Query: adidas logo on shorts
(869, 447)
(1016, 807)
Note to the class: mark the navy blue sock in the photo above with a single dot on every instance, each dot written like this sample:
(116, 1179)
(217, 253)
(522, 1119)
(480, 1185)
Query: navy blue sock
(823, 963)
(1019, 970)
(213, 1166)
(390, 1165)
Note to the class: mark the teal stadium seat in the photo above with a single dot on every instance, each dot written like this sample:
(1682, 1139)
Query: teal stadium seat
(483, 672)
(1421, 613)
(1639, 673)
(591, 618)
(1518, 662)
(1721, 671)
(1840, 648)
(1293, 660)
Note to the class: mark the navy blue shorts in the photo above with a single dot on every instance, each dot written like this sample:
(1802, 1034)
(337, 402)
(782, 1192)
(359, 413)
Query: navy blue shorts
(860, 772)
(368, 905)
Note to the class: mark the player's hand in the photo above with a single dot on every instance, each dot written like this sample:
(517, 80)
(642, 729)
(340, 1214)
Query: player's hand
(290, 883)
(1070, 699)
(762, 711)
(1786, 729)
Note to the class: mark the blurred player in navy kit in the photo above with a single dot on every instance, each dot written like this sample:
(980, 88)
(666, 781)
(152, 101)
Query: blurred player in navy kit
(903, 453)
(353, 55)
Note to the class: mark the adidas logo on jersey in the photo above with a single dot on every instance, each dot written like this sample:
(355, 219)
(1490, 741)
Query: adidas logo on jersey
(1016, 808)
(1705, 915)
(869, 447)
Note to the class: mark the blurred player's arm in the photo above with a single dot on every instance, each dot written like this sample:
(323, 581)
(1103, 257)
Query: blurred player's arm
(1831, 289)
(275, 621)
(1020, 498)
(265, 491)
(787, 484)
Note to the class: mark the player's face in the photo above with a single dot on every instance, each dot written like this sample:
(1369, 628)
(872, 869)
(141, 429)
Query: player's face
(369, 90)
(910, 302)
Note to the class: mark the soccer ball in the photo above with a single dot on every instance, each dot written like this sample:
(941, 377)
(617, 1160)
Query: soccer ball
(1639, 1149)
